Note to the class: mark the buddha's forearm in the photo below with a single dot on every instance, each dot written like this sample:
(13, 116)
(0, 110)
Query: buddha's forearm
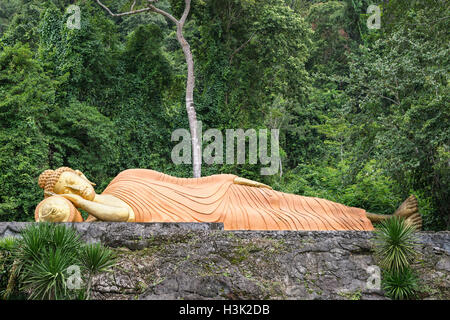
(104, 212)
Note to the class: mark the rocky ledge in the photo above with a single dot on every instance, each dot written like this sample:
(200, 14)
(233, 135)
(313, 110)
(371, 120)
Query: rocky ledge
(203, 261)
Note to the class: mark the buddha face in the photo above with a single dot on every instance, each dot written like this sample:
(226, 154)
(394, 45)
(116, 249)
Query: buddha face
(74, 183)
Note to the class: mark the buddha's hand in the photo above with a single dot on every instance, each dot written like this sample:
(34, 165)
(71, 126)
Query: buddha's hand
(75, 199)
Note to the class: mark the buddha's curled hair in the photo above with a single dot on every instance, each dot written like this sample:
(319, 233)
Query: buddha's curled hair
(48, 178)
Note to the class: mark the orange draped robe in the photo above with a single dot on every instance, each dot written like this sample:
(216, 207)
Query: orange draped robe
(157, 197)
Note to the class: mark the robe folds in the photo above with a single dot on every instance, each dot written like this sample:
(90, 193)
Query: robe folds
(157, 197)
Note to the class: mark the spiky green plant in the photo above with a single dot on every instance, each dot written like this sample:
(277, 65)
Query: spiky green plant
(7, 246)
(8, 243)
(95, 259)
(43, 236)
(400, 285)
(43, 255)
(46, 278)
(42, 258)
(395, 244)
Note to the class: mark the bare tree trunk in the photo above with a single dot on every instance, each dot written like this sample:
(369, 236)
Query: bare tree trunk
(192, 115)
(190, 82)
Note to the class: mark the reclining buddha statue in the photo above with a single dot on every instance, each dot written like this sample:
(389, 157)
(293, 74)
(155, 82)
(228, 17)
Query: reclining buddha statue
(142, 195)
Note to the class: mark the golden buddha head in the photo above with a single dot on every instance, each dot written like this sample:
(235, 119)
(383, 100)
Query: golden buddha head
(66, 180)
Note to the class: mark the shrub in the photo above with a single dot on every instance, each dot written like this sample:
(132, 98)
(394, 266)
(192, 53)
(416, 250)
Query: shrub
(7, 246)
(43, 256)
(95, 259)
(7, 243)
(395, 244)
(45, 278)
(400, 285)
(395, 248)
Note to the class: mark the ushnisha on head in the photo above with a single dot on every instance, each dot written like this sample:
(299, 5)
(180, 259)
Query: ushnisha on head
(65, 180)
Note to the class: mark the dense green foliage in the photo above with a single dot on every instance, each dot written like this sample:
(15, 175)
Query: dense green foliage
(41, 262)
(363, 114)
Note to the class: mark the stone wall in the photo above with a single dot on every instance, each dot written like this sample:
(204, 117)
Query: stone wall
(202, 261)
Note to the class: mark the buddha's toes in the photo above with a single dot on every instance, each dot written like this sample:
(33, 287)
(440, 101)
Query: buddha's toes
(415, 220)
(408, 207)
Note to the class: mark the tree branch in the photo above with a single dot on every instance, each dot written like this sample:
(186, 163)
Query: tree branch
(241, 47)
(164, 13)
(387, 98)
(187, 7)
(123, 13)
(151, 7)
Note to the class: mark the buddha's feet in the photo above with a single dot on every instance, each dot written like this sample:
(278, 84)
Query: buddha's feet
(409, 210)
(415, 220)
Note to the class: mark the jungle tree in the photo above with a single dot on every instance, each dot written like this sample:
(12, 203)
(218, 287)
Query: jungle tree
(190, 82)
